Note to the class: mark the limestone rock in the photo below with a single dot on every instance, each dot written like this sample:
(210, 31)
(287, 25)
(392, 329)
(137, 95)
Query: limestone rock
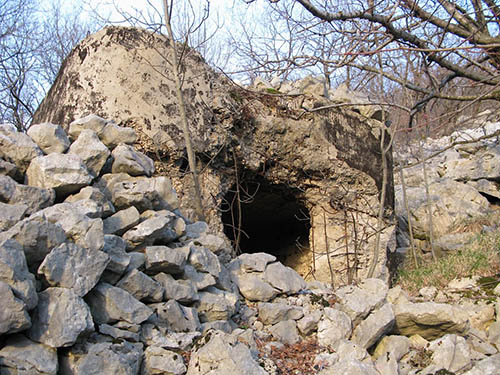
(450, 352)
(487, 187)
(13, 314)
(204, 260)
(351, 367)
(429, 319)
(272, 313)
(118, 333)
(333, 327)
(90, 122)
(309, 322)
(152, 335)
(165, 259)
(91, 150)
(178, 290)
(74, 267)
(112, 135)
(397, 345)
(283, 278)
(201, 280)
(370, 330)
(14, 272)
(160, 361)
(10, 169)
(489, 365)
(121, 221)
(10, 214)
(65, 173)
(253, 288)
(18, 148)
(484, 165)
(20, 355)
(109, 304)
(141, 286)
(178, 318)
(222, 355)
(128, 160)
(255, 262)
(215, 304)
(34, 197)
(285, 332)
(49, 137)
(155, 230)
(119, 259)
(90, 192)
(60, 318)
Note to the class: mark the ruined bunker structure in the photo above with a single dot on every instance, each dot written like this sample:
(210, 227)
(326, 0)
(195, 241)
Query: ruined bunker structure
(304, 186)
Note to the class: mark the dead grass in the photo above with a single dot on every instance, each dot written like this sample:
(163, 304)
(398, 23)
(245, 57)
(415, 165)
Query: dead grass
(480, 258)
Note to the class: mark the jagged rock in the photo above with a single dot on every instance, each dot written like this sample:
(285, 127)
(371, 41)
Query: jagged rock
(253, 288)
(152, 335)
(484, 165)
(119, 259)
(13, 314)
(370, 330)
(487, 187)
(155, 230)
(78, 227)
(35, 198)
(387, 365)
(141, 286)
(142, 192)
(118, 333)
(358, 301)
(122, 358)
(10, 169)
(398, 346)
(65, 173)
(91, 150)
(18, 148)
(309, 322)
(179, 318)
(255, 262)
(74, 267)
(450, 352)
(109, 304)
(112, 135)
(490, 365)
(60, 318)
(478, 341)
(37, 236)
(272, 313)
(201, 280)
(351, 367)
(14, 272)
(49, 137)
(166, 259)
(160, 361)
(481, 313)
(90, 192)
(348, 349)
(20, 355)
(121, 221)
(90, 122)
(204, 260)
(226, 326)
(334, 326)
(128, 160)
(221, 355)
(215, 304)
(285, 332)
(429, 319)
(283, 278)
(10, 214)
(89, 208)
(178, 290)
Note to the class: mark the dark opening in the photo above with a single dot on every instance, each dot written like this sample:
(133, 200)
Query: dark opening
(273, 219)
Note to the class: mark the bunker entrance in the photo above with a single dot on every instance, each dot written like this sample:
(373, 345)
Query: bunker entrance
(273, 220)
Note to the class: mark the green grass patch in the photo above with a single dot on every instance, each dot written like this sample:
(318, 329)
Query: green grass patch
(479, 258)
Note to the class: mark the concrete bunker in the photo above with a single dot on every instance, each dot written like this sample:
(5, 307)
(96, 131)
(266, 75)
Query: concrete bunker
(271, 218)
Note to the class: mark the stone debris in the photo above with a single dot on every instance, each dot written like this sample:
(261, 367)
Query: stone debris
(126, 284)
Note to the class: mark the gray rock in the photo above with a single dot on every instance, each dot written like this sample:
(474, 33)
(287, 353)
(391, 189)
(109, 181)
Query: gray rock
(226, 326)
(60, 318)
(200, 280)
(359, 301)
(65, 173)
(489, 365)
(91, 150)
(204, 260)
(223, 355)
(121, 221)
(398, 346)
(13, 314)
(142, 286)
(110, 304)
(18, 148)
(334, 326)
(119, 259)
(216, 304)
(112, 135)
(347, 349)
(10, 169)
(160, 361)
(165, 259)
(90, 192)
(128, 160)
(283, 278)
(49, 137)
(285, 332)
(118, 333)
(377, 324)
(75, 267)
(430, 320)
(450, 352)
(34, 197)
(14, 272)
(142, 192)
(89, 208)
(177, 317)
(351, 367)
(92, 122)
(10, 214)
(178, 290)
(309, 322)
(152, 335)
(255, 262)
(156, 230)
(20, 355)
(253, 288)
(272, 313)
